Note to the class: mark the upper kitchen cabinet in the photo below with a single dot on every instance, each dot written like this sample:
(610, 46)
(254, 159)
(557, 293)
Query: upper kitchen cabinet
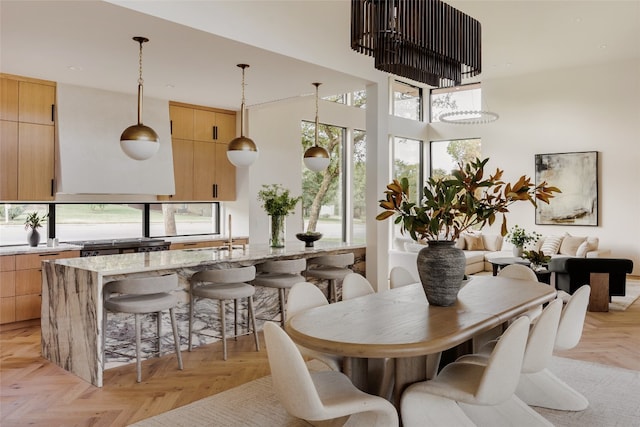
(199, 137)
(27, 139)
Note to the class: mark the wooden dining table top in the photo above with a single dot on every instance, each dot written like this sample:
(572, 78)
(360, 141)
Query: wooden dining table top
(401, 323)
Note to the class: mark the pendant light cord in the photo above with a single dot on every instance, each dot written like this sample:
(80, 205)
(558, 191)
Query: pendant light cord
(317, 123)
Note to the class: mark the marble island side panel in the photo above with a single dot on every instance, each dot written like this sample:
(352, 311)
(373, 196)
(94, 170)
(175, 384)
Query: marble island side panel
(72, 299)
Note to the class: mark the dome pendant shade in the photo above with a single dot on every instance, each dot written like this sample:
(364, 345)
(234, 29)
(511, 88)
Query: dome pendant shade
(242, 151)
(140, 142)
(316, 158)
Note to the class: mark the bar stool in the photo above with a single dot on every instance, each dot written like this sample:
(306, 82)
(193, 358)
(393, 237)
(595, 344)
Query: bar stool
(223, 285)
(281, 275)
(142, 296)
(331, 268)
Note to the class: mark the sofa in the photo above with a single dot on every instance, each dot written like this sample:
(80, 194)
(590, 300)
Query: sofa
(479, 248)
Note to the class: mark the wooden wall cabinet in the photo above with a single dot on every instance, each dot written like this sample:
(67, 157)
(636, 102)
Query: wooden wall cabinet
(27, 139)
(21, 284)
(199, 138)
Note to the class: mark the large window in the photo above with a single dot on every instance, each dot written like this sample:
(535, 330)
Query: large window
(447, 155)
(407, 101)
(358, 186)
(96, 221)
(13, 216)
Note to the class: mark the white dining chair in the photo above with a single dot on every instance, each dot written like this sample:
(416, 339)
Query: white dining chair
(322, 395)
(522, 272)
(303, 296)
(544, 388)
(438, 401)
(400, 276)
(355, 285)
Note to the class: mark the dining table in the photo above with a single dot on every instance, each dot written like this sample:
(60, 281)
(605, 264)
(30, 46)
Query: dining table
(399, 324)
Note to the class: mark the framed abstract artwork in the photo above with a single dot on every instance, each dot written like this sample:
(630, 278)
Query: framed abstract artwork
(576, 175)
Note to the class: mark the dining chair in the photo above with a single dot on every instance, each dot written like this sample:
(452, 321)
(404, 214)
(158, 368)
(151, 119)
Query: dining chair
(331, 268)
(522, 272)
(322, 395)
(355, 285)
(281, 275)
(438, 401)
(400, 276)
(142, 296)
(303, 296)
(224, 285)
(544, 388)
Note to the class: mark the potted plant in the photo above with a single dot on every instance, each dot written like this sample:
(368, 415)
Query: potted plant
(448, 207)
(537, 258)
(32, 223)
(518, 237)
(278, 203)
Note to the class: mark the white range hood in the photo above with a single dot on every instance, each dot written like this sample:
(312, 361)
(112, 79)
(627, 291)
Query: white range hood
(89, 157)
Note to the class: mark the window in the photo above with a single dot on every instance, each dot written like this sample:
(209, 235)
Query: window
(446, 155)
(183, 219)
(322, 192)
(407, 163)
(358, 186)
(407, 101)
(458, 98)
(96, 221)
(13, 216)
(356, 99)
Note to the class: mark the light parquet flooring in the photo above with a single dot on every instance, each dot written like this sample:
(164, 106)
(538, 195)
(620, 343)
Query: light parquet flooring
(35, 392)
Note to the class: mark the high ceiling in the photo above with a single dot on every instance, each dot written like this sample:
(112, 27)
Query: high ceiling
(195, 45)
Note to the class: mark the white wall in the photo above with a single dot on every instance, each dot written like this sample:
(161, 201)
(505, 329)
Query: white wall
(592, 108)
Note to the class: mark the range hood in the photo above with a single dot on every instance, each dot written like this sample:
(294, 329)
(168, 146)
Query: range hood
(89, 158)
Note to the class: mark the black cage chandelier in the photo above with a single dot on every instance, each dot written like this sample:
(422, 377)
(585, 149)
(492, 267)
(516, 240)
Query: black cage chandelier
(424, 40)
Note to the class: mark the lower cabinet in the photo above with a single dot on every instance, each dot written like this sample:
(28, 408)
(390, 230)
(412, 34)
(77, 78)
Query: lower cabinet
(21, 284)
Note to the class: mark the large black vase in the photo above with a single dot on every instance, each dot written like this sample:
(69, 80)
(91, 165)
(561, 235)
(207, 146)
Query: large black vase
(441, 269)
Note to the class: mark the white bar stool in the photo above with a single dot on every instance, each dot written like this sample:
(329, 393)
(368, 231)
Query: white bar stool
(281, 275)
(223, 285)
(331, 268)
(142, 296)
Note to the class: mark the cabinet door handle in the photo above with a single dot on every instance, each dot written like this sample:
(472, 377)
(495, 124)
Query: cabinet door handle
(53, 184)
(53, 112)
(171, 127)
(215, 132)
(215, 191)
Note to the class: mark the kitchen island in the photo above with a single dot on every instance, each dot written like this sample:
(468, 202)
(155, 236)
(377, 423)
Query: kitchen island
(72, 306)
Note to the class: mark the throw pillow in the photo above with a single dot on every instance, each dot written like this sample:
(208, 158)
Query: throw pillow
(474, 242)
(460, 243)
(591, 244)
(551, 245)
(492, 242)
(570, 245)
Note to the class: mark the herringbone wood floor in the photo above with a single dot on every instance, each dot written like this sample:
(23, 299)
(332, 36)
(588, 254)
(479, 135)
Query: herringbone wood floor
(36, 393)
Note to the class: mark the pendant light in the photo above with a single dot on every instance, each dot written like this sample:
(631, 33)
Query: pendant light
(242, 151)
(316, 158)
(139, 142)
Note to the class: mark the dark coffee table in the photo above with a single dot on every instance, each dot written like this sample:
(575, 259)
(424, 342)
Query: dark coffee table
(498, 263)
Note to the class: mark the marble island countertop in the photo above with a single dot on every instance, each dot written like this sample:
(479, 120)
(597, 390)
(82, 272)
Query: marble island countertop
(185, 258)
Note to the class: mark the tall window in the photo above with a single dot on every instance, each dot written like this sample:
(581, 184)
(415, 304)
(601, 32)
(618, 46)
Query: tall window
(458, 98)
(358, 186)
(12, 218)
(95, 221)
(407, 163)
(407, 101)
(322, 192)
(447, 155)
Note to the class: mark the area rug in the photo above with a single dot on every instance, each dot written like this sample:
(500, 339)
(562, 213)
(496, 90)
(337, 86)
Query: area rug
(612, 394)
(632, 293)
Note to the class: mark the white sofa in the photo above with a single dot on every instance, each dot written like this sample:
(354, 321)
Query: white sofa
(479, 248)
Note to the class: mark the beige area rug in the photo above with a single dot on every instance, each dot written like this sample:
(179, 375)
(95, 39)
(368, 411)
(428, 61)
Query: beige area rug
(632, 294)
(613, 394)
